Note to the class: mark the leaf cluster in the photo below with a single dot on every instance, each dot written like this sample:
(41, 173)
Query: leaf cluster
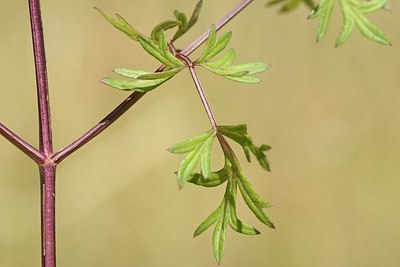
(223, 66)
(353, 13)
(181, 22)
(199, 153)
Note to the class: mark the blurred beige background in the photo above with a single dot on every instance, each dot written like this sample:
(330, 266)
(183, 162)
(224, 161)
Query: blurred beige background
(332, 117)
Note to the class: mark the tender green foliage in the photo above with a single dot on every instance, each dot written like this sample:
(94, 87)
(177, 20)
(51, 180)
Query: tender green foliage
(141, 81)
(160, 50)
(289, 5)
(240, 73)
(121, 24)
(199, 148)
(353, 13)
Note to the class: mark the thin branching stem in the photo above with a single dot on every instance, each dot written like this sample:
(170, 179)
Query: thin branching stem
(48, 169)
(135, 96)
(22, 145)
(200, 89)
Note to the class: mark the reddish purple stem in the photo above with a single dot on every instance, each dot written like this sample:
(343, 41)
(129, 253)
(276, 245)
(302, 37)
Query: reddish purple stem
(48, 169)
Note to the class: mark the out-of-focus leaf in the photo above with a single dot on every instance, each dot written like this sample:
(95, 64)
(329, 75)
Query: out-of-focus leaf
(290, 5)
(184, 24)
(218, 238)
(353, 13)
(121, 24)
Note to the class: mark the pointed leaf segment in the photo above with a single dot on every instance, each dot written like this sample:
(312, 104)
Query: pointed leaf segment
(199, 153)
(353, 13)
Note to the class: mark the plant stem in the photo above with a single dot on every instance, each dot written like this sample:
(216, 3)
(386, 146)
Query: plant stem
(135, 96)
(17, 141)
(48, 170)
(200, 89)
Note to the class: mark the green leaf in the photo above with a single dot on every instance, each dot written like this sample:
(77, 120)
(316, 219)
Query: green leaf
(159, 75)
(224, 61)
(210, 220)
(218, 238)
(212, 37)
(141, 86)
(199, 149)
(254, 201)
(290, 5)
(160, 51)
(195, 15)
(121, 24)
(162, 40)
(190, 144)
(238, 133)
(353, 12)
(184, 24)
(234, 222)
(153, 49)
(214, 178)
(163, 26)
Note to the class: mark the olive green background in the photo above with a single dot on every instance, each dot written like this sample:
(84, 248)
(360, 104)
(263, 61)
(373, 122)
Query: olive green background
(331, 115)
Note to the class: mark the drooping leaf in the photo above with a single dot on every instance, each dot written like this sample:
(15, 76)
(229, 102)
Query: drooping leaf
(353, 13)
(238, 133)
(214, 178)
(163, 26)
(121, 24)
(234, 222)
(254, 201)
(199, 149)
(219, 233)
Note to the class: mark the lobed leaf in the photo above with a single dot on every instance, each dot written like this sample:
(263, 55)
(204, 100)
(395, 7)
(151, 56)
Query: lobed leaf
(238, 133)
(353, 15)
(199, 149)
